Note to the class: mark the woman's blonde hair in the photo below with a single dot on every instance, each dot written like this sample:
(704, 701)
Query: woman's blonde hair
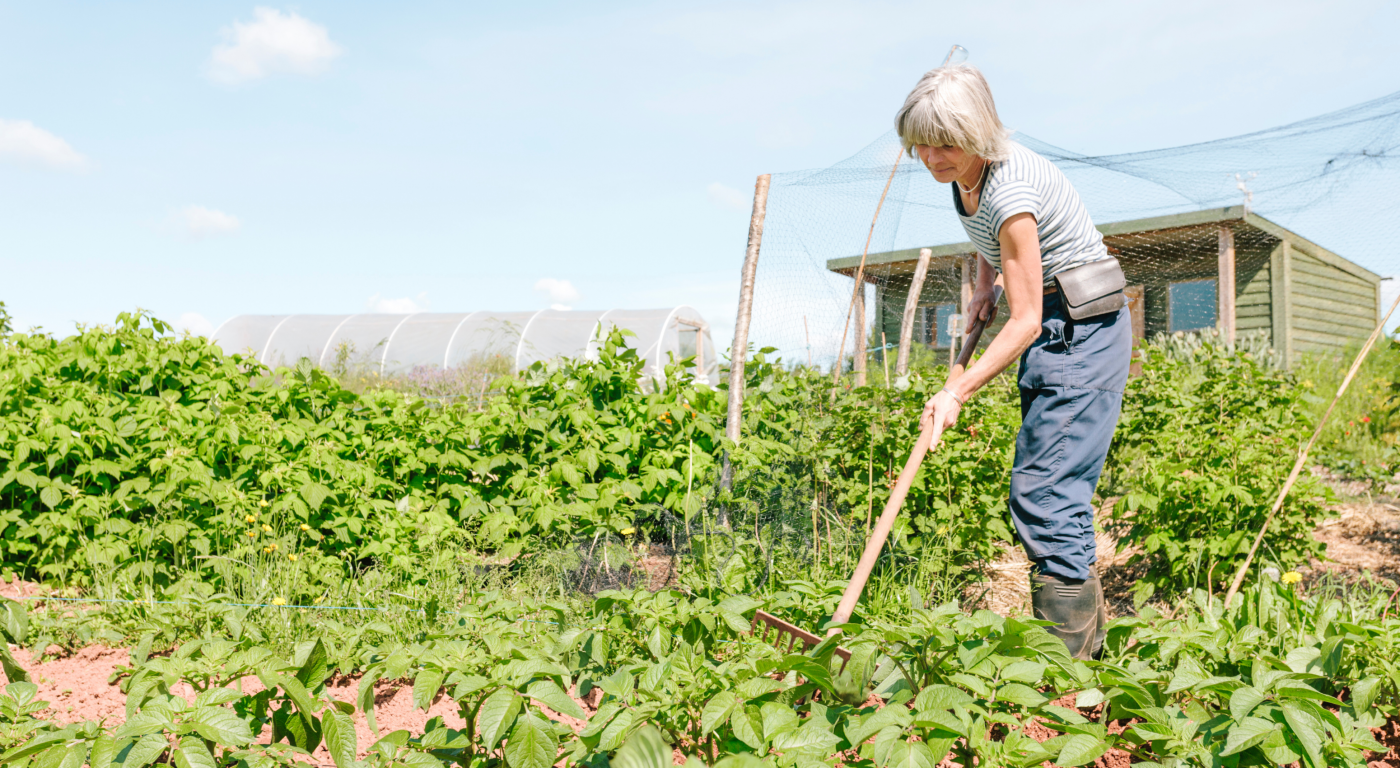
(952, 107)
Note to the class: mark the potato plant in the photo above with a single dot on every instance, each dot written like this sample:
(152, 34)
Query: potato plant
(1279, 678)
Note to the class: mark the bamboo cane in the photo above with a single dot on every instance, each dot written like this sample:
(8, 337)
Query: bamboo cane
(860, 276)
(928, 437)
(1303, 455)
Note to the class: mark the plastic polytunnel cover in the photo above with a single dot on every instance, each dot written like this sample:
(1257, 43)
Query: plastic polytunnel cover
(394, 344)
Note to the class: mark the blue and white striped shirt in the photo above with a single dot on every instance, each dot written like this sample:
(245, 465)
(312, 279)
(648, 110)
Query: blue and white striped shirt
(1028, 183)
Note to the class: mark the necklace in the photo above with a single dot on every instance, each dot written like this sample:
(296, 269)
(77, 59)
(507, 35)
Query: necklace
(980, 179)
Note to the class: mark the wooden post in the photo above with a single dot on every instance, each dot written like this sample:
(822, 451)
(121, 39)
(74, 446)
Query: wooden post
(1225, 286)
(969, 279)
(953, 330)
(911, 305)
(740, 349)
(954, 336)
(1281, 292)
(858, 319)
(885, 357)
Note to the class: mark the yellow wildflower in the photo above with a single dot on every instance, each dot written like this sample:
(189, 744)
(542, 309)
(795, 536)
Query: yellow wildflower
(278, 601)
(293, 558)
(267, 549)
(1307, 384)
(627, 531)
(1292, 577)
(267, 527)
(251, 518)
(272, 546)
(262, 502)
(305, 527)
(252, 534)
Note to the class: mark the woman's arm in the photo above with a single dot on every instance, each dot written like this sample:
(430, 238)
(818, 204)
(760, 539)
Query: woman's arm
(1023, 282)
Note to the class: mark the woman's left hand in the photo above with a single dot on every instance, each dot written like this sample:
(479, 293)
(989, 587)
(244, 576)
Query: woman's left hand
(942, 409)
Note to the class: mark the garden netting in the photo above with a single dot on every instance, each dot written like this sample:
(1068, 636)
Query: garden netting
(1307, 210)
(1333, 180)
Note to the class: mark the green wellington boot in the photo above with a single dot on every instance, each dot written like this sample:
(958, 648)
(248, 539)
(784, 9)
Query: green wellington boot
(1077, 609)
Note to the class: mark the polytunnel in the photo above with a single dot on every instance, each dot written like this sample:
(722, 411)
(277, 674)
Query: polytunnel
(401, 343)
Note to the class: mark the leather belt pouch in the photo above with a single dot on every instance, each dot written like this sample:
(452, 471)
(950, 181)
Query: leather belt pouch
(1093, 289)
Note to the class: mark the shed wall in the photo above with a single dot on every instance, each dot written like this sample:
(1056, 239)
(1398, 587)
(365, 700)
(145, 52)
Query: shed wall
(1328, 307)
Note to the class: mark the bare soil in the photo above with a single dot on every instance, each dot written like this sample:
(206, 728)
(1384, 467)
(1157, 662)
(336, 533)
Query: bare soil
(77, 689)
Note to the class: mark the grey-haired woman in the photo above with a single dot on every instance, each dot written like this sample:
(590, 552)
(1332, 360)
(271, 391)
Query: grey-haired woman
(1068, 326)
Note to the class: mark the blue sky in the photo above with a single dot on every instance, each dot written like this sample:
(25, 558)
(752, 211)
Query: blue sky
(203, 160)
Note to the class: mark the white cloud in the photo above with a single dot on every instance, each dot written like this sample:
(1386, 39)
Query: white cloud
(272, 42)
(26, 143)
(562, 293)
(728, 197)
(200, 222)
(402, 306)
(195, 323)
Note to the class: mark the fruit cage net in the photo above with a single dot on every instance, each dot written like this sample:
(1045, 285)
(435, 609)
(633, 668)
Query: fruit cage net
(1280, 240)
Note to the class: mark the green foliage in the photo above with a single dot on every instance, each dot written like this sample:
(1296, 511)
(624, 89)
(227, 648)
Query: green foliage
(14, 628)
(1359, 440)
(128, 449)
(820, 463)
(1205, 442)
(1260, 681)
(1279, 678)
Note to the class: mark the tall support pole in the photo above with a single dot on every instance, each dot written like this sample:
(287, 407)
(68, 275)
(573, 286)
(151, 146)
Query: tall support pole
(860, 276)
(1225, 287)
(1303, 454)
(858, 319)
(911, 305)
(740, 349)
(968, 266)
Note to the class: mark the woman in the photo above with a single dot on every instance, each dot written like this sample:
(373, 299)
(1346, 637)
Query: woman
(1029, 224)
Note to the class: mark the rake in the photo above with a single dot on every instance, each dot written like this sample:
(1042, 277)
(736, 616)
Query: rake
(784, 633)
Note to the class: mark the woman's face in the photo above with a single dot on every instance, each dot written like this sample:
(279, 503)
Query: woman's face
(946, 163)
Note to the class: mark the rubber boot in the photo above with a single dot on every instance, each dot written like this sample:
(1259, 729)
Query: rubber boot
(1076, 606)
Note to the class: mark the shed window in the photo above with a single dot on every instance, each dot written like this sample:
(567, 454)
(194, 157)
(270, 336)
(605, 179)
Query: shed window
(945, 311)
(1191, 305)
(933, 324)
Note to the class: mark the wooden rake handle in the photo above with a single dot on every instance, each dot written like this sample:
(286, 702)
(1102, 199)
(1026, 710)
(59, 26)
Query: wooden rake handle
(928, 437)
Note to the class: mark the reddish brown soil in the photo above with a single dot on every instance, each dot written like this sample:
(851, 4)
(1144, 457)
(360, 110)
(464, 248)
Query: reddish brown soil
(1389, 737)
(76, 688)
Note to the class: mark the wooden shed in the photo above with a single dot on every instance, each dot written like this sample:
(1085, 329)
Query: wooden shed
(1222, 268)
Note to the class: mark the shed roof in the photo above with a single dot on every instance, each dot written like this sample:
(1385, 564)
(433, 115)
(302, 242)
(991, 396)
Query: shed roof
(1168, 228)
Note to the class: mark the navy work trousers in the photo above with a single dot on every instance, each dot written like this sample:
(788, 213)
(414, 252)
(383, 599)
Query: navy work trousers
(1071, 381)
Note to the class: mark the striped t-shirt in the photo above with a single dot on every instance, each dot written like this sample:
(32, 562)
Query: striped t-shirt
(1028, 183)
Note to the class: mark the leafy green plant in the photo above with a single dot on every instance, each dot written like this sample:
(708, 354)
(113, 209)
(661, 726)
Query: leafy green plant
(14, 628)
(18, 707)
(1204, 444)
